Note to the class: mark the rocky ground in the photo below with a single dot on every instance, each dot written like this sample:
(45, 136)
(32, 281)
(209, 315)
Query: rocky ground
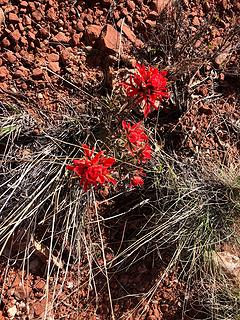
(55, 56)
(51, 50)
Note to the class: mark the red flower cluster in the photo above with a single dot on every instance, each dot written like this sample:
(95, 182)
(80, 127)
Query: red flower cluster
(92, 169)
(149, 86)
(137, 179)
(138, 144)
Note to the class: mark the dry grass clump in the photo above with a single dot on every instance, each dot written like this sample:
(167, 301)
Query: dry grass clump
(182, 216)
(37, 200)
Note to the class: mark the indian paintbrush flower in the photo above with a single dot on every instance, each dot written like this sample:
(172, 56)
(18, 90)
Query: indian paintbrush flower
(137, 141)
(149, 86)
(92, 169)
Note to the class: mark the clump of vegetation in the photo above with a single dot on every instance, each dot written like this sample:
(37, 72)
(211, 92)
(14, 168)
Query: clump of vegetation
(62, 188)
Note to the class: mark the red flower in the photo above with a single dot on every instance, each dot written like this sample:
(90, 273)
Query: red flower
(92, 170)
(135, 133)
(148, 85)
(138, 145)
(146, 153)
(137, 181)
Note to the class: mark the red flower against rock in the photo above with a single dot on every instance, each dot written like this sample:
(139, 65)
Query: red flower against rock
(138, 144)
(149, 86)
(92, 169)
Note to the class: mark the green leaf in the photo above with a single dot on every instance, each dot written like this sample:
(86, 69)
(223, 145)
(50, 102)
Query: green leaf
(7, 130)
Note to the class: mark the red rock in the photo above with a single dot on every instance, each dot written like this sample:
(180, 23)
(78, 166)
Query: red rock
(26, 20)
(37, 73)
(32, 6)
(15, 35)
(129, 20)
(139, 44)
(39, 307)
(31, 35)
(9, 8)
(4, 73)
(24, 86)
(76, 39)
(21, 27)
(150, 23)
(89, 18)
(44, 32)
(21, 292)
(3, 85)
(27, 57)
(61, 37)
(110, 38)
(24, 41)
(221, 58)
(23, 4)
(10, 57)
(116, 15)
(22, 10)
(73, 11)
(124, 12)
(41, 61)
(197, 44)
(5, 42)
(80, 26)
(1, 316)
(54, 66)
(196, 22)
(152, 15)
(221, 76)
(159, 5)
(166, 295)
(40, 284)
(53, 57)
(65, 54)
(93, 33)
(194, 13)
(19, 73)
(224, 4)
(13, 17)
(157, 314)
(131, 5)
(99, 13)
(137, 20)
(37, 15)
(127, 31)
(52, 15)
(69, 29)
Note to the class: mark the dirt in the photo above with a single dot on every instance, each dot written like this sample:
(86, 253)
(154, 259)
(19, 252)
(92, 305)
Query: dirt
(56, 54)
(32, 296)
(26, 295)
